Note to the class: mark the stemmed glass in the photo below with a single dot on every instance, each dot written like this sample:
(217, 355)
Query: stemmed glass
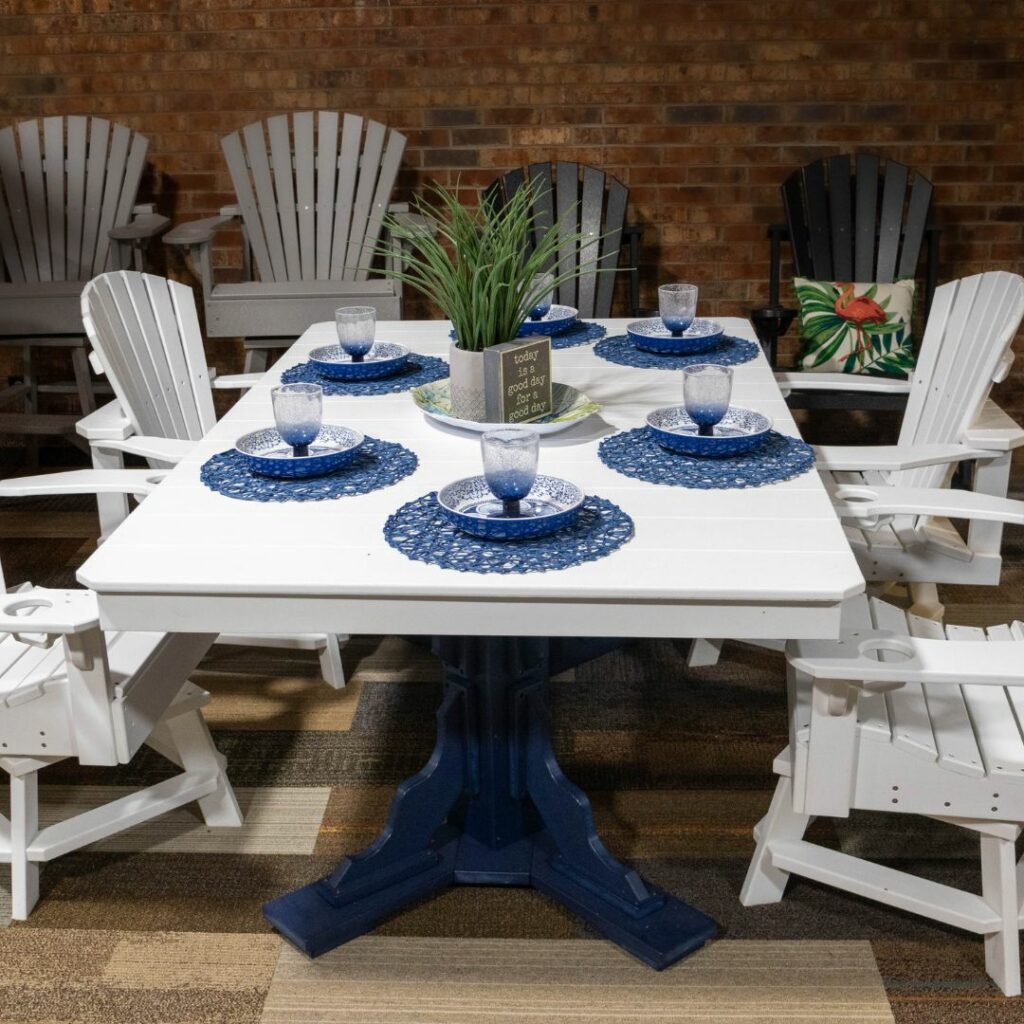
(545, 285)
(356, 326)
(707, 388)
(677, 304)
(510, 465)
(298, 413)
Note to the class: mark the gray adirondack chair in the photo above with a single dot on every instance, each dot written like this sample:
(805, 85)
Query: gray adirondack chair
(584, 199)
(67, 191)
(312, 190)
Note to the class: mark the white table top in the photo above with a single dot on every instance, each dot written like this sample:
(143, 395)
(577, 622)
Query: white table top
(757, 563)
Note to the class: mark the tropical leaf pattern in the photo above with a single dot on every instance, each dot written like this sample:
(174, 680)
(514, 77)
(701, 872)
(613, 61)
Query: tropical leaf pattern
(850, 327)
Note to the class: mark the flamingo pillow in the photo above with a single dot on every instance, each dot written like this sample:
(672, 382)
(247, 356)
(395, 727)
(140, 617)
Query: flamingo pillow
(853, 327)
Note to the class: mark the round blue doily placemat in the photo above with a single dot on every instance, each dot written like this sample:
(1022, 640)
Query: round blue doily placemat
(728, 352)
(418, 370)
(636, 454)
(378, 464)
(581, 333)
(421, 533)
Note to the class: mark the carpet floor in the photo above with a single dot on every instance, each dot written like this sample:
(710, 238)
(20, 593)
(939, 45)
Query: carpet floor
(162, 923)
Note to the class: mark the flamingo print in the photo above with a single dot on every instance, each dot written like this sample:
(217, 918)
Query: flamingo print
(859, 311)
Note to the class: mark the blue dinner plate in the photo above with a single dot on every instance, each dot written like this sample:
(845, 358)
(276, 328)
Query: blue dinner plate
(652, 335)
(265, 453)
(383, 360)
(741, 430)
(551, 505)
(557, 318)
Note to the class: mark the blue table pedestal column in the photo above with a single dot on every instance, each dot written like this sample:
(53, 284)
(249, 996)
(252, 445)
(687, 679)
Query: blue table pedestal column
(492, 807)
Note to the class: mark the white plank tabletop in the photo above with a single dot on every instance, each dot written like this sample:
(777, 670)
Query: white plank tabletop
(768, 562)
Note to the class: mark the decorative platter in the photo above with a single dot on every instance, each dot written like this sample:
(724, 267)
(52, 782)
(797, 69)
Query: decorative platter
(265, 453)
(557, 318)
(652, 335)
(383, 360)
(470, 506)
(569, 408)
(740, 431)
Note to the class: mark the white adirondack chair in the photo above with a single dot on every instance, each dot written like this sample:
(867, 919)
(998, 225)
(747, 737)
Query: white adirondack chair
(906, 716)
(949, 419)
(311, 198)
(146, 339)
(67, 189)
(67, 689)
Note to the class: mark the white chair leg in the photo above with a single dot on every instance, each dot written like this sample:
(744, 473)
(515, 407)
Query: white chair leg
(83, 380)
(999, 890)
(925, 602)
(764, 882)
(196, 753)
(330, 661)
(704, 652)
(24, 828)
(256, 360)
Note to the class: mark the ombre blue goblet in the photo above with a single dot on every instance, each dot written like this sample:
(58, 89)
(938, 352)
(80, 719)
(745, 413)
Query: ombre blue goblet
(298, 413)
(707, 388)
(510, 465)
(677, 304)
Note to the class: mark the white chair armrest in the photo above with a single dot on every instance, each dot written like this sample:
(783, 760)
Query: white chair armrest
(107, 422)
(892, 457)
(231, 210)
(37, 615)
(997, 663)
(801, 380)
(237, 380)
(84, 481)
(164, 449)
(196, 232)
(995, 430)
(145, 225)
(856, 501)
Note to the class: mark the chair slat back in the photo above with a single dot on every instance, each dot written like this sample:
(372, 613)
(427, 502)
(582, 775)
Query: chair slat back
(968, 336)
(146, 333)
(580, 199)
(849, 221)
(313, 197)
(64, 183)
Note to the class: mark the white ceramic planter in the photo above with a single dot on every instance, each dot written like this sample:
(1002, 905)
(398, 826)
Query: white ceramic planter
(466, 375)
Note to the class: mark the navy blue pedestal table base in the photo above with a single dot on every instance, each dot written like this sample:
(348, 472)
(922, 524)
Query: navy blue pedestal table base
(492, 807)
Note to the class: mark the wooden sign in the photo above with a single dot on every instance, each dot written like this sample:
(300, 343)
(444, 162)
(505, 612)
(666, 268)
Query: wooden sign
(517, 380)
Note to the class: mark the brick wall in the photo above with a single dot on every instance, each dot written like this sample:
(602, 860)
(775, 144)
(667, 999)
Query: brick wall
(701, 107)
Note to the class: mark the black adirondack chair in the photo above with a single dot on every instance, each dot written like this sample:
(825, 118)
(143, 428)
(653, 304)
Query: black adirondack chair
(849, 219)
(600, 202)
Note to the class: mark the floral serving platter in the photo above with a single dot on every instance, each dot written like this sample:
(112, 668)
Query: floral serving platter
(569, 407)
(740, 431)
(652, 335)
(470, 506)
(265, 453)
(557, 318)
(383, 360)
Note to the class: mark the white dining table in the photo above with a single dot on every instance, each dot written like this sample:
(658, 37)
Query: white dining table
(491, 806)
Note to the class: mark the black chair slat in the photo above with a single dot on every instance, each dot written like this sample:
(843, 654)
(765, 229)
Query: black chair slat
(913, 228)
(543, 204)
(817, 219)
(591, 211)
(793, 200)
(839, 208)
(890, 225)
(866, 217)
(567, 190)
(615, 219)
(513, 182)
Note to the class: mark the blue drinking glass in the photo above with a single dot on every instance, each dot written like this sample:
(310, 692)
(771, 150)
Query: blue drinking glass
(542, 292)
(510, 464)
(707, 388)
(298, 413)
(356, 327)
(677, 304)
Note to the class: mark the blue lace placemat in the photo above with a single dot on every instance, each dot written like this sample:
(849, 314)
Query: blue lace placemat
(728, 352)
(581, 333)
(378, 464)
(636, 454)
(421, 533)
(418, 370)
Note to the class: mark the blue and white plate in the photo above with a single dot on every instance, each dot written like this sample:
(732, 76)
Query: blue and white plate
(652, 335)
(265, 453)
(557, 318)
(383, 360)
(469, 505)
(741, 430)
